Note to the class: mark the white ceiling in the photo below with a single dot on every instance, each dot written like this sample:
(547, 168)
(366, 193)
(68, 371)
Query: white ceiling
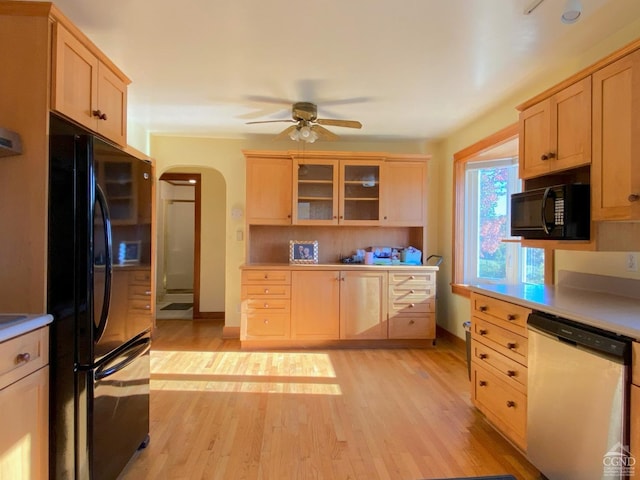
(406, 69)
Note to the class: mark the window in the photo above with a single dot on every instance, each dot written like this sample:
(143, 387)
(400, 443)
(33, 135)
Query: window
(487, 258)
(485, 175)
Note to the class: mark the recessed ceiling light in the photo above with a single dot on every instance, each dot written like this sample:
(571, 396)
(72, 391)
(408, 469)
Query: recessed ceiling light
(572, 11)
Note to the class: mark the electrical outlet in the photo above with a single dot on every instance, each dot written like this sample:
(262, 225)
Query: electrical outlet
(632, 262)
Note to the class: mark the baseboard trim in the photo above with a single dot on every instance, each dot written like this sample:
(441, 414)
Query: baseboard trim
(230, 333)
(450, 337)
(208, 315)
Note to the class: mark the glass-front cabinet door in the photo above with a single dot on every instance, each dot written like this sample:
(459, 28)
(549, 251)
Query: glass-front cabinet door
(360, 192)
(315, 185)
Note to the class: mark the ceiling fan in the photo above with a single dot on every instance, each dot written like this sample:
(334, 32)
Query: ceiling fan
(307, 126)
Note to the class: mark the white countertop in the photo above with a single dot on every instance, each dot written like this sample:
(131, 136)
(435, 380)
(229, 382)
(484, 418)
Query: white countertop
(30, 322)
(575, 300)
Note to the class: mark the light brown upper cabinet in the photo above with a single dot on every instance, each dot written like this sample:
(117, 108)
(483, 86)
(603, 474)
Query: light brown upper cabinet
(315, 190)
(404, 193)
(555, 133)
(360, 186)
(86, 89)
(269, 191)
(615, 171)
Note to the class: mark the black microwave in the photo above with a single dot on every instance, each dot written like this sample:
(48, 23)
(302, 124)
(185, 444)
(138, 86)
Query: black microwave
(561, 212)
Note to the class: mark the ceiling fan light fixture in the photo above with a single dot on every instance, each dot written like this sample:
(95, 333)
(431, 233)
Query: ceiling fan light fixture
(294, 134)
(572, 11)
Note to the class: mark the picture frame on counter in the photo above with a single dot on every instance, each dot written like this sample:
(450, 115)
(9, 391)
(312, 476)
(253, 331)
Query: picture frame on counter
(303, 251)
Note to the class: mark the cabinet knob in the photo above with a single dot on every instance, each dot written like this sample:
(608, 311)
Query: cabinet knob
(482, 356)
(147, 307)
(99, 115)
(412, 291)
(412, 277)
(147, 292)
(547, 156)
(511, 345)
(266, 290)
(483, 308)
(289, 216)
(411, 322)
(511, 403)
(412, 305)
(265, 321)
(341, 217)
(634, 197)
(512, 316)
(482, 331)
(334, 217)
(511, 373)
(266, 276)
(23, 357)
(266, 305)
(385, 217)
(482, 383)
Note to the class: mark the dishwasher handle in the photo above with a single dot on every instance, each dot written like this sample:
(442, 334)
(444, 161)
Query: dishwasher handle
(575, 333)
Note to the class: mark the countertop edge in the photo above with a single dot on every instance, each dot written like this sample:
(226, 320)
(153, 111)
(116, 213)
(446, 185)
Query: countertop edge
(570, 303)
(333, 266)
(32, 322)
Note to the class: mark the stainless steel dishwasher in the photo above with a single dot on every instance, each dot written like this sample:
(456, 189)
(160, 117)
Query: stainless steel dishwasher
(577, 421)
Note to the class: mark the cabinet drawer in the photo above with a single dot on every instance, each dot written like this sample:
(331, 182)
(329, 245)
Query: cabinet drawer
(412, 326)
(140, 277)
(23, 355)
(139, 291)
(139, 306)
(512, 372)
(415, 279)
(266, 291)
(403, 294)
(400, 307)
(266, 277)
(500, 339)
(268, 304)
(501, 403)
(268, 324)
(508, 315)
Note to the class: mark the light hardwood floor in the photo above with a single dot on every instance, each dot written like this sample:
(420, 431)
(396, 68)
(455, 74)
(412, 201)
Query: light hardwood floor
(219, 412)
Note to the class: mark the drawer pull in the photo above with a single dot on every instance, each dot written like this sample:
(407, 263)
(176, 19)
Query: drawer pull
(266, 305)
(511, 403)
(23, 357)
(266, 321)
(266, 290)
(266, 276)
(547, 156)
(147, 307)
(511, 373)
(482, 383)
(483, 308)
(147, 292)
(411, 305)
(634, 197)
(412, 277)
(482, 331)
(511, 345)
(411, 322)
(98, 114)
(483, 356)
(412, 291)
(512, 316)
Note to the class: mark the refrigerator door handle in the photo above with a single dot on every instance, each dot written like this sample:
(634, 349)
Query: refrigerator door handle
(137, 349)
(106, 219)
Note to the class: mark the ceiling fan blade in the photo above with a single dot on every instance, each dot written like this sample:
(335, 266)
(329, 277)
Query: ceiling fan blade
(285, 132)
(339, 123)
(264, 99)
(269, 121)
(324, 133)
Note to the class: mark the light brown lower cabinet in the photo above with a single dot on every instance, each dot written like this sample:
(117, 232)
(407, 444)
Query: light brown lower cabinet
(315, 305)
(499, 355)
(24, 406)
(363, 305)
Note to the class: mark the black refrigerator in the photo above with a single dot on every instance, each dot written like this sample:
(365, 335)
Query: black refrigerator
(99, 293)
